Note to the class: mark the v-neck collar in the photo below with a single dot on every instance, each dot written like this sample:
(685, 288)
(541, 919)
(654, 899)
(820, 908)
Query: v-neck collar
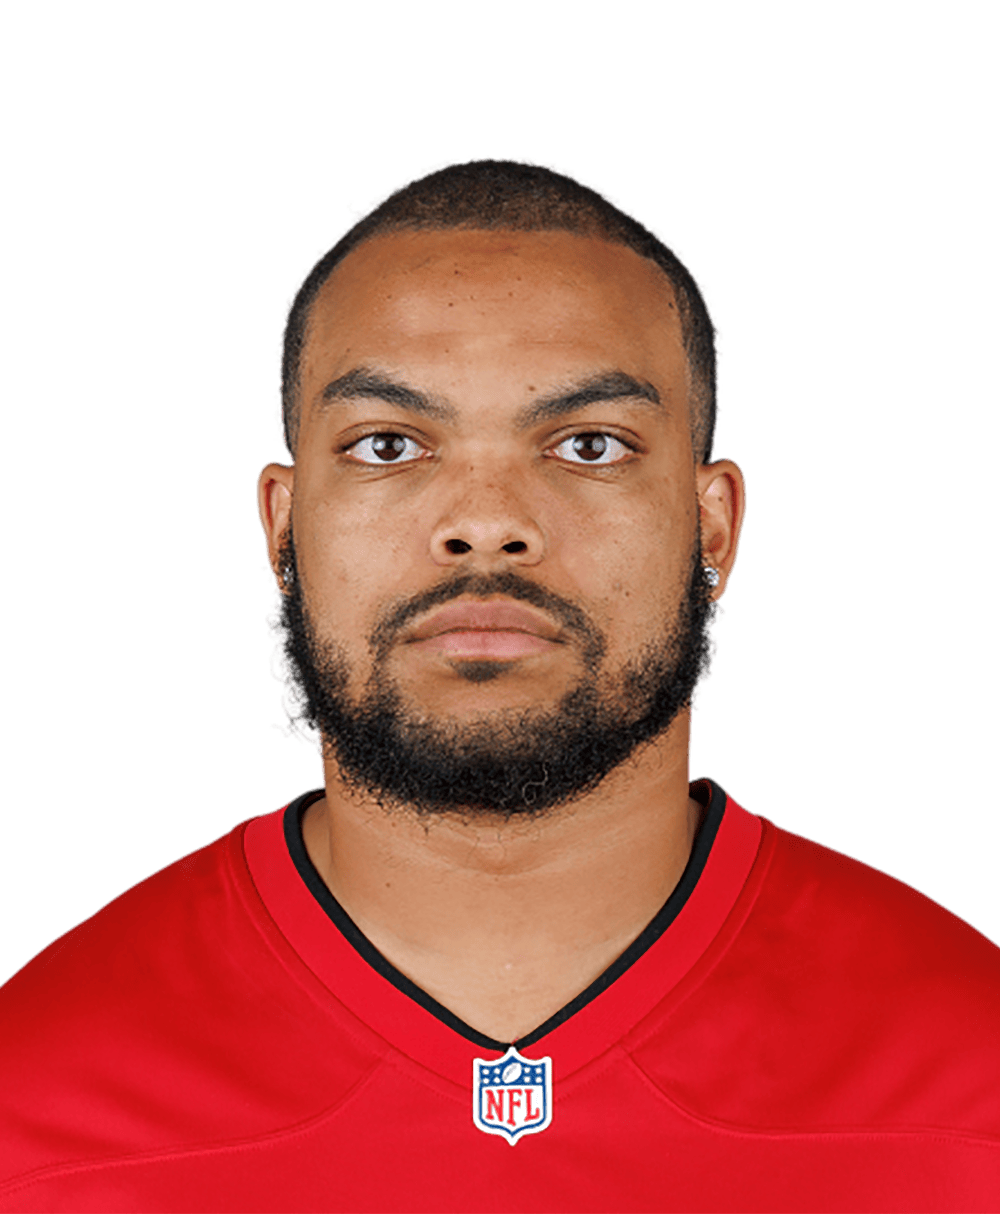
(355, 972)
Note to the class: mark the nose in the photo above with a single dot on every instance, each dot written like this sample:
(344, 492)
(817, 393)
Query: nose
(487, 517)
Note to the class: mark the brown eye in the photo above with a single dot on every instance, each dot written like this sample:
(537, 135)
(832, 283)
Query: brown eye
(388, 446)
(591, 448)
(385, 448)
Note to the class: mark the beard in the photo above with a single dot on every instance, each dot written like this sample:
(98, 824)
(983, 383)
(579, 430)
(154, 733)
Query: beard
(511, 762)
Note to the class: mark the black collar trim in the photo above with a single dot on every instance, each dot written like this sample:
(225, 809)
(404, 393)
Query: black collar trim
(646, 938)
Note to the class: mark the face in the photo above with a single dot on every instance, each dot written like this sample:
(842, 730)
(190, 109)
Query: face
(495, 504)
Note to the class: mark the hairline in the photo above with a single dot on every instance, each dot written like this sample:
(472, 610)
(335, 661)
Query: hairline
(353, 240)
(513, 193)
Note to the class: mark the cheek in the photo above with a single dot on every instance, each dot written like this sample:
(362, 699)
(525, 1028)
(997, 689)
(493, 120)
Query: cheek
(622, 581)
(349, 557)
(633, 562)
(634, 550)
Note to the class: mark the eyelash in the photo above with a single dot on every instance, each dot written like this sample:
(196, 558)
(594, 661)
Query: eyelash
(381, 434)
(610, 439)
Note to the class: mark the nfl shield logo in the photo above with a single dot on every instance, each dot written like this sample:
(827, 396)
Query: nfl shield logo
(512, 1096)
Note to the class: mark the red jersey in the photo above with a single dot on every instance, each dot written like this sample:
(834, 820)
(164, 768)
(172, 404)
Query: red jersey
(793, 1031)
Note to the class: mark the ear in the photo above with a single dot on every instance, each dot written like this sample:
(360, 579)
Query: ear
(721, 496)
(274, 499)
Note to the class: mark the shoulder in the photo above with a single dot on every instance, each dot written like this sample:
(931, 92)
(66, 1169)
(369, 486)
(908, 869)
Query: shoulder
(175, 1016)
(895, 943)
(842, 999)
(108, 963)
(145, 966)
(154, 932)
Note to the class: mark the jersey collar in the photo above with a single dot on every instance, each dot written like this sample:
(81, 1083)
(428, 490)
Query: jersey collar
(318, 928)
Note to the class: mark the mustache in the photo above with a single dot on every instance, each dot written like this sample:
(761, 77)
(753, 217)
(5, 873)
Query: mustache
(484, 585)
(398, 614)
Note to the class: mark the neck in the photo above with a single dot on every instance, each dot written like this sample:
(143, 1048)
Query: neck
(504, 921)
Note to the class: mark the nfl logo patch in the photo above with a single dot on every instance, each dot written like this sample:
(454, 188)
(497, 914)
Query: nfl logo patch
(512, 1096)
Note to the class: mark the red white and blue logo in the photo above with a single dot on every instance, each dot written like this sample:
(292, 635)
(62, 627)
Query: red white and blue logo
(512, 1096)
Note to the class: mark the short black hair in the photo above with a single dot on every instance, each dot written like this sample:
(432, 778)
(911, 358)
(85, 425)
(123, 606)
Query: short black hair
(507, 195)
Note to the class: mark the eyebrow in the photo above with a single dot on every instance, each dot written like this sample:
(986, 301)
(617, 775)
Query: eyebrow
(363, 382)
(611, 385)
(374, 385)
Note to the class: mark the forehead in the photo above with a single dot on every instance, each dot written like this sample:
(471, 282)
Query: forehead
(551, 303)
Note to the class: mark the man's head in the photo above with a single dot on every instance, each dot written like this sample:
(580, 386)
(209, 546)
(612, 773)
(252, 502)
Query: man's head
(500, 516)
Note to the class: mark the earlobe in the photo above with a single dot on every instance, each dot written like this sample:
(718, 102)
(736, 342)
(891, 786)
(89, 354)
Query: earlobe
(274, 499)
(721, 496)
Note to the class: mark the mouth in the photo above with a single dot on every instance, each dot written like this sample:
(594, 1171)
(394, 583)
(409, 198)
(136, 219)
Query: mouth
(498, 630)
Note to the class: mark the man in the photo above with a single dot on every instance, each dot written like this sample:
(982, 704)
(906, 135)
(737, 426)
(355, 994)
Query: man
(507, 919)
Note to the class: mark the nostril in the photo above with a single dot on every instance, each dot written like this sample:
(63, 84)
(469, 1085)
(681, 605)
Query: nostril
(457, 547)
(515, 546)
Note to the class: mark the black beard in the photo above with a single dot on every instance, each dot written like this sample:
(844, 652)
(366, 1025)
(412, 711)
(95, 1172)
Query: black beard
(513, 761)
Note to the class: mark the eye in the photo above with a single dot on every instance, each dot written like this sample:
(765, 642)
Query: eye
(591, 448)
(385, 448)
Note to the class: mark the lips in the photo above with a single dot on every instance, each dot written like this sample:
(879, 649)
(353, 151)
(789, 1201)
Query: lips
(498, 615)
(499, 628)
